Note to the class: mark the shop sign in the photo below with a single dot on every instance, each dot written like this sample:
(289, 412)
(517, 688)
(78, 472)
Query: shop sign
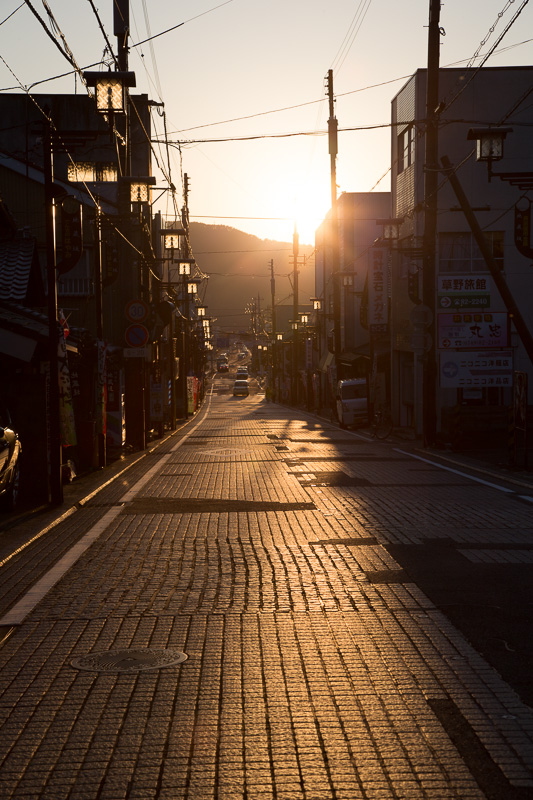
(460, 292)
(378, 296)
(480, 369)
(464, 330)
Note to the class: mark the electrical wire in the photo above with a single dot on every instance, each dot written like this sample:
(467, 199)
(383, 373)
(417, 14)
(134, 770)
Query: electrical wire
(104, 34)
(490, 51)
(174, 27)
(350, 37)
(12, 13)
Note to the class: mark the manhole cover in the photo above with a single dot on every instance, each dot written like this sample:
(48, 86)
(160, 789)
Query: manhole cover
(129, 660)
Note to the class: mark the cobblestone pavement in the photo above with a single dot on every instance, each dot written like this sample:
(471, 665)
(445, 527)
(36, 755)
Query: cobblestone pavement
(256, 541)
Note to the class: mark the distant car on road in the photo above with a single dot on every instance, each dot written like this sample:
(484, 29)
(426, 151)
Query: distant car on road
(10, 449)
(240, 388)
(242, 374)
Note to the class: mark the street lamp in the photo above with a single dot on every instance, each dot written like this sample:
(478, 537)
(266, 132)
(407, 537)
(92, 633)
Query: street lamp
(489, 142)
(110, 89)
(391, 228)
(489, 148)
(171, 237)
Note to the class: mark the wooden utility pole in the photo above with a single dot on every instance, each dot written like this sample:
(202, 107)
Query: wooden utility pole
(431, 180)
(333, 150)
(273, 335)
(295, 338)
(54, 419)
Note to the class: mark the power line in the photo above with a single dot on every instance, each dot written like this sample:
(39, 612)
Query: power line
(179, 25)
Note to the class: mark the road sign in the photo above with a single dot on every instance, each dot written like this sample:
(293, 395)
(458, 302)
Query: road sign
(136, 310)
(136, 335)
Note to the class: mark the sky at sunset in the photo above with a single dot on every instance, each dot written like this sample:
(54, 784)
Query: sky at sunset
(251, 73)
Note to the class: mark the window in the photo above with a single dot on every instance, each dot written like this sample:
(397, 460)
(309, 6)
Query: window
(406, 148)
(459, 253)
(91, 172)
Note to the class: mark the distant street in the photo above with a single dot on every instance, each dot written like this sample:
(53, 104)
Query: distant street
(265, 606)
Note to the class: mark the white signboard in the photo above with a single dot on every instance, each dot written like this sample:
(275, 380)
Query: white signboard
(472, 331)
(485, 369)
(464, 292)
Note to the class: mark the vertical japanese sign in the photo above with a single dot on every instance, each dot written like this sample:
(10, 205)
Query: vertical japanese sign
(309, 354)
(378, 296)
(101, 388)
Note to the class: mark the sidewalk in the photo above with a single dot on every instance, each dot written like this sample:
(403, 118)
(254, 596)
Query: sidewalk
(258, 546)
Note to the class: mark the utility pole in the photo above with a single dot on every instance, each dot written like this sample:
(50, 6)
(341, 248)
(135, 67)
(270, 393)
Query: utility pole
(54, 420)
(101, 409)
(333, 150)
(184, 367)
(273, 329)
(431, 179)
(294, 381)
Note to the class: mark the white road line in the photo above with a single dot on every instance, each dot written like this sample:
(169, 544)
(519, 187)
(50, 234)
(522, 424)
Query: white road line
(456, 471)
(18, 613)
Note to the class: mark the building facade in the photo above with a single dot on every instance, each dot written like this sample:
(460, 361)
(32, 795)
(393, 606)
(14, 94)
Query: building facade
(465, 329)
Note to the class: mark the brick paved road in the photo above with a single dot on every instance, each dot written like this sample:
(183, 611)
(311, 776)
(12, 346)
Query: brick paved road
(260, 545)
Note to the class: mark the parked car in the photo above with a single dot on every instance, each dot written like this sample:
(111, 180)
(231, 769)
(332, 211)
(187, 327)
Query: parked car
(240, 388)
(352, 405)
(10, 449)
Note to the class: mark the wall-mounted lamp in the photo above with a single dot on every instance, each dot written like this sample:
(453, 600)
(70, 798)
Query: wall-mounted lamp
(489, 142)
(391, 228)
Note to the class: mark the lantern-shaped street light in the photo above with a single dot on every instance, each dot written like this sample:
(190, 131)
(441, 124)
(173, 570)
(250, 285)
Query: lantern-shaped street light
(279, 337)
(110, 90)
(200, 310)
(184, 268)
(390, 228)
(489, 142)
(171, 237)
(317, 303)
(304, 318)
(192, 287)
(137, 189)
(140, 190)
